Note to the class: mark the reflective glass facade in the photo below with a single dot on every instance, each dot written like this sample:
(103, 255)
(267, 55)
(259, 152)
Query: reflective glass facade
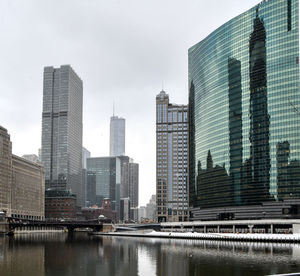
(117, 136)
(103, 181)
(244, 109)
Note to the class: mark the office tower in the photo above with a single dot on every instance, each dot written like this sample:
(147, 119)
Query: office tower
(244, 118)
(62, 130)
(103, 181)
(85, 155)
(22, 183)
(125, 210)
(142, 213)
(129, 180)
(124, 187)
(171, 160)
(151, 208)
(133, 184)
(117, 136)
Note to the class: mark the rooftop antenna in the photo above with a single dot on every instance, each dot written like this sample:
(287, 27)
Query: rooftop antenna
(113, 108)
(162, 85)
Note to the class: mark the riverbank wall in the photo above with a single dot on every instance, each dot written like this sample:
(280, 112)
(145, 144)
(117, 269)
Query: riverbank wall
(287, 238)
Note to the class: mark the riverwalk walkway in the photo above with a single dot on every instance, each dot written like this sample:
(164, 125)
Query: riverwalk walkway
(294, 238)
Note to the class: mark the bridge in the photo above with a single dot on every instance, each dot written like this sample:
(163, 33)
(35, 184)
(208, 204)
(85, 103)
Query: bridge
(94, 225)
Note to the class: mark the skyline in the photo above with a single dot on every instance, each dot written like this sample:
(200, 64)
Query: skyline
(118, 60)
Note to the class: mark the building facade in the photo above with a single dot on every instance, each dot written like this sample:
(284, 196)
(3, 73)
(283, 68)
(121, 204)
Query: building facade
(124, 188)
(22, 183)
(125, 209)
(129, 180)
(117, 136)
(142, 213)
(5, 171)
(151, 209)
(171, 160)
(60, 205)
(85, 155)
(103, 181)
(62, 130)
(244, 116)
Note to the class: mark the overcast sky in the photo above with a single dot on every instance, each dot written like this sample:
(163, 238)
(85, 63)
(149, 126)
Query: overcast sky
(123, 50)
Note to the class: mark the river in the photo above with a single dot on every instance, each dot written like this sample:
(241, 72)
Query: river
(59, 254)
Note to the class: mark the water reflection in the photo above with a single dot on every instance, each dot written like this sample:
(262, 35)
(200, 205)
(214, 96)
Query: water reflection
(60, 254)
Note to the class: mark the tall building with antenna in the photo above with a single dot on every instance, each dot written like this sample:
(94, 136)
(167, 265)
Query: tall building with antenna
(117, 136)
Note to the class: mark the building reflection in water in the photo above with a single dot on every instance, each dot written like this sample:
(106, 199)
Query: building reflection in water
(59, 254)
(21, 257)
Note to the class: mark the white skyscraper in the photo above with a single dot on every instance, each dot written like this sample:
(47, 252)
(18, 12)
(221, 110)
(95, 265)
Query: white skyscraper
(117, 136)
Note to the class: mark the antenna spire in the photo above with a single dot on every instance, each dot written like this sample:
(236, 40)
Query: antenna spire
(113, 108)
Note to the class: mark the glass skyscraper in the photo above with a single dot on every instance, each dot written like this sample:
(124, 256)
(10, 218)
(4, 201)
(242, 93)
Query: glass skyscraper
(62, 130)
(244, 114)
(103, 181)
(117, 136)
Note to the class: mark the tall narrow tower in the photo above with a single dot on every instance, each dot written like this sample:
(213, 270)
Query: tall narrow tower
(171, 160)
(117, 136)
(62, 130)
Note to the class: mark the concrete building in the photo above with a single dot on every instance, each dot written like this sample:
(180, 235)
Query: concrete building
(124, 188)
(244, 117)
(134, 214)
(129, 180)
(31, 157)
(142, 213)
(117, 136)
(103, 181)
(62, 130)
(125, 210)
(22, 183)
(171, 160)
(6, 171)
(151, 209)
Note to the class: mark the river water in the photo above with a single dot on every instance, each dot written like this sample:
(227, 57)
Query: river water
(61, 254)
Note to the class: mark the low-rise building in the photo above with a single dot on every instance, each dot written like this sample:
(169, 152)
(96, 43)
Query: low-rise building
(60, 205)
(95, 212)
(28, 186)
